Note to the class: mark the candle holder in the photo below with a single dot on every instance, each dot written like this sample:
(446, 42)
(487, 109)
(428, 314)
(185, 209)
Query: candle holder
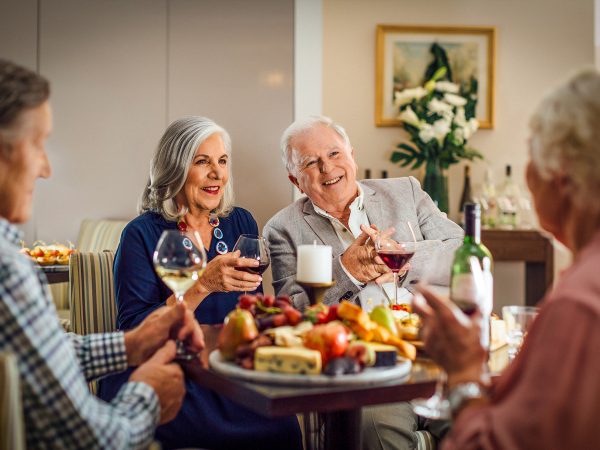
(315, 291)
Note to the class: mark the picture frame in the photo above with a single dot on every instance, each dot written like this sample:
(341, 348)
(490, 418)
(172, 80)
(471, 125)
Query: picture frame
(402, 56)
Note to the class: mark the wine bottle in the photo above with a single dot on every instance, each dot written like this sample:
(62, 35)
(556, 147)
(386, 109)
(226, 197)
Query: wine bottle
(367, 174)
(508, 200)
(466, 196)
(489, 201)
(465, 292)
(384, 174)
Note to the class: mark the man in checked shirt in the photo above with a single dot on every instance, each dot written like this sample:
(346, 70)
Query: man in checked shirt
(59, 410)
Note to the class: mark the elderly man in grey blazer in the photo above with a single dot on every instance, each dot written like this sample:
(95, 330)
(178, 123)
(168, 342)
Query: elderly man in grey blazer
(344, 213)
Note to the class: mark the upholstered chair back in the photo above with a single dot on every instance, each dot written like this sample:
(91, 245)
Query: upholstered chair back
(94, 236)
(99, 235)
(91, 292)
(12, 434)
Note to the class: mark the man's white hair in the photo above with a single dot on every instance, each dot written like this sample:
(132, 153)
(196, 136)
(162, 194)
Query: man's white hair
(301, 126)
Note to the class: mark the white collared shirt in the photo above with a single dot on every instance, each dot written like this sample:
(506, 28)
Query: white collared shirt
(371, 295)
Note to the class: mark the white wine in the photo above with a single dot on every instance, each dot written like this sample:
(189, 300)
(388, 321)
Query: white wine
(463, 288)
(179, 281)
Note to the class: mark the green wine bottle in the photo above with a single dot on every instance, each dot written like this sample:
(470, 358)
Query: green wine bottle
(465, 291)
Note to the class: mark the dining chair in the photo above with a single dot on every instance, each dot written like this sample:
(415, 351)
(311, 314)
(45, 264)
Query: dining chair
(91, 292)
(94, 236)
(12, 430)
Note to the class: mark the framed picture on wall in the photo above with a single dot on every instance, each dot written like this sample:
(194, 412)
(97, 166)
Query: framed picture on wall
(403, 55)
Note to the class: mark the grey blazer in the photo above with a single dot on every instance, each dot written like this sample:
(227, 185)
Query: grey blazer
(387, 202)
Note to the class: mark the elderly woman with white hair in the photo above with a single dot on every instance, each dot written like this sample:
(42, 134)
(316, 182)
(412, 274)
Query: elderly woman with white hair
(190, 188)
(549, 397)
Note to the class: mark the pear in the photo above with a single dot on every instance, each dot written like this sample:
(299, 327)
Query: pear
(383, 316)
(239, 328)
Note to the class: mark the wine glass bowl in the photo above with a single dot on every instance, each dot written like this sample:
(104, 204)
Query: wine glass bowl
(253, 247)
(179, 260)
(395, 254)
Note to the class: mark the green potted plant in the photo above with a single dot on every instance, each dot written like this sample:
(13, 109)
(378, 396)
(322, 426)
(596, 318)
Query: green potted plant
(439, 118)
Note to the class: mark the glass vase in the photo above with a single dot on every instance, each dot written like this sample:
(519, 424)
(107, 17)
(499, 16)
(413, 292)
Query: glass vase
(435, 184)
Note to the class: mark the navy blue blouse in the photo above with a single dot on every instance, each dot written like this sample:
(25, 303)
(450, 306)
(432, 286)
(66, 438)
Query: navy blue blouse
(139, 290)
(206, 419)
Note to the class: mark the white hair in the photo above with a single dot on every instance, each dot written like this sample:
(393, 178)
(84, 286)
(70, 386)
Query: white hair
(565, 135)
(301, 126)
(171, 164)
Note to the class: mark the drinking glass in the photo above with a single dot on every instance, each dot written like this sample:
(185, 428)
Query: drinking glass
(254, 247)
(395, 254)
(517, 320)
(437, 406)
(179, 261)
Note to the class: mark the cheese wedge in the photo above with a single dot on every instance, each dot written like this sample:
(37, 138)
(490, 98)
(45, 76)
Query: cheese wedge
(385, 355)
(291, 360)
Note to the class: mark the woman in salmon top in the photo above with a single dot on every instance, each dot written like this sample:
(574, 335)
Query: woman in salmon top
(549, 397)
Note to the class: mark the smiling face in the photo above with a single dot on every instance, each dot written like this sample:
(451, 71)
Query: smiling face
(325, 168)
(24, 163)
(208, 175)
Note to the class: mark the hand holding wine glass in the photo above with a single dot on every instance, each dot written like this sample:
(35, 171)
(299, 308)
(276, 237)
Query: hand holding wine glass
(396, 254)
(180, 260)
(253, 247)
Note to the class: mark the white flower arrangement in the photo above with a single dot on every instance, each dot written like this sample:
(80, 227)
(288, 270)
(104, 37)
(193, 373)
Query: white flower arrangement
(439, 118)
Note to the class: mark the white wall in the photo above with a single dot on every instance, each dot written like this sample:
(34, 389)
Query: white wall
(539, 42)
(121, 70)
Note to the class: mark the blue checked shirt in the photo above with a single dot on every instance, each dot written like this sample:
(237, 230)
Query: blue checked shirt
(59, 410)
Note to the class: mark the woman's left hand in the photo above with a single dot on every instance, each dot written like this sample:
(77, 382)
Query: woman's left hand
(451, 338)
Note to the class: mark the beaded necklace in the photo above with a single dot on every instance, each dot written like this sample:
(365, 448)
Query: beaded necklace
(213, 220)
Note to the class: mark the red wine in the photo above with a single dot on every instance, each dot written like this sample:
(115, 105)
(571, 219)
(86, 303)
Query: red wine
(395, 259)
(254, 270)
(468, 308)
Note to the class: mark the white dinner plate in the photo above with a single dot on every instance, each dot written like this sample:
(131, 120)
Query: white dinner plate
(370, 375)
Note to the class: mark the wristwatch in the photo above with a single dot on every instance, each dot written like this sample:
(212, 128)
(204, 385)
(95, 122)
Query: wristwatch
(463, 392)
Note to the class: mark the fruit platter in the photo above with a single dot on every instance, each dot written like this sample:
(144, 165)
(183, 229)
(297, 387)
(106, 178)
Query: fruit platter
(266, 339)
(48, 255)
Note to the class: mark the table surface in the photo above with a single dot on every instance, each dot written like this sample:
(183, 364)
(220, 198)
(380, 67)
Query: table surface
(56, 273)
(271, 400)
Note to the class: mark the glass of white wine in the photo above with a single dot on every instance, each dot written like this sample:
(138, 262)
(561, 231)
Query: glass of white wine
(179, 261)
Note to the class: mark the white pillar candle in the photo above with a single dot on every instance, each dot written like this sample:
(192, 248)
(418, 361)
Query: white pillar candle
(314, 264)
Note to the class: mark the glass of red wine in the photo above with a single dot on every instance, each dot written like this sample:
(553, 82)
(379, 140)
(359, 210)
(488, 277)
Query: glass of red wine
(396, 253)
(255, 247)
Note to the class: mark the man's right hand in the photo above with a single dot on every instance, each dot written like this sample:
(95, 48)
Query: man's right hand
(360, 258)
(166, 378)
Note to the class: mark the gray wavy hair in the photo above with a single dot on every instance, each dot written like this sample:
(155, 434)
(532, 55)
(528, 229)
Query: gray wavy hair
(21, 89)
(301, 126)
(171, 163)
(565, 136)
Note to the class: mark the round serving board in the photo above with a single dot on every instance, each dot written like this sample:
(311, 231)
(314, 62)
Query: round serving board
(368, 376)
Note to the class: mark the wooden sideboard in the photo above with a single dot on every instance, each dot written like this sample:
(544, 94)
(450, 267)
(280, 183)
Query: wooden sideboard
(530, 247)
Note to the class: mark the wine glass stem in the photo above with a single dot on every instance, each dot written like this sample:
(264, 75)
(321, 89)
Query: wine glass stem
(179, 298)
(395, 288)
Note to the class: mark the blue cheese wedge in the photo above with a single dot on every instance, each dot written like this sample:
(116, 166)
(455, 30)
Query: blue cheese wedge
(291, 360)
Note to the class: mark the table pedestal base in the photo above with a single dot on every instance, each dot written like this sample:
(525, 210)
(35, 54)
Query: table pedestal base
(333, 430)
